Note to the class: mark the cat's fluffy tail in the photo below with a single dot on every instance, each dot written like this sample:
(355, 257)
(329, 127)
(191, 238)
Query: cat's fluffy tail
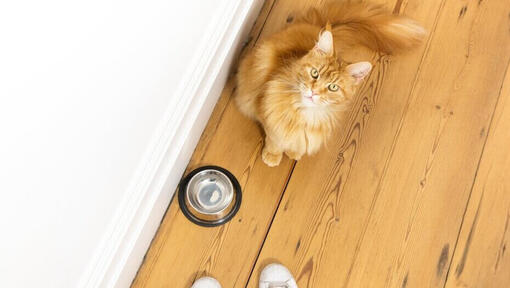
(370, 25)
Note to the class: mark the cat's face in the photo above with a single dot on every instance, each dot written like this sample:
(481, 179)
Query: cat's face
(322, 81)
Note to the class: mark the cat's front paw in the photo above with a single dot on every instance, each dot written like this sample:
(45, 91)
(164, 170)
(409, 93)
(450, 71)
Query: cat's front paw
(271, 159)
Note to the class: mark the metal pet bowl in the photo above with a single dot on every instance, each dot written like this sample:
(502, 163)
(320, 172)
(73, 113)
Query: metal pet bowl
(209, 196)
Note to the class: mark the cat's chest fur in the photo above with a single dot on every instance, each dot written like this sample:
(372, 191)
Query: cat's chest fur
(310, 133)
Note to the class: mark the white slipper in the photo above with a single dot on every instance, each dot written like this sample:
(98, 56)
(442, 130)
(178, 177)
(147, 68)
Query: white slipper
(206, 282)
(276, 276)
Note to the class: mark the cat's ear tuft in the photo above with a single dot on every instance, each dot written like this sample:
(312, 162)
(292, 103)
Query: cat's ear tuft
(359, 70)
(325, 43)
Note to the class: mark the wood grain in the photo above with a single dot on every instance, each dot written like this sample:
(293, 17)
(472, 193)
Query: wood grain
(480, 258)
(384, 205)
(421, 199)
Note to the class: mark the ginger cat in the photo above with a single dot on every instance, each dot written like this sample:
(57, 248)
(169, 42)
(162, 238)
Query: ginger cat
(295, 84)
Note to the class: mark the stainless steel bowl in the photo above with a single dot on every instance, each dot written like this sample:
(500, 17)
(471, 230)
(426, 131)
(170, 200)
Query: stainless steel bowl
(209, 196)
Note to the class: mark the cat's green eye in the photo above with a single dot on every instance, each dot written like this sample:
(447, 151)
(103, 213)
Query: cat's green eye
(333, 87)
(314, 73)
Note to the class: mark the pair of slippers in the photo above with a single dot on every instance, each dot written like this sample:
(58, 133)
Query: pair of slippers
(273, 276)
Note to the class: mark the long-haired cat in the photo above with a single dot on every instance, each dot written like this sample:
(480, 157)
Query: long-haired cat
(295, 82)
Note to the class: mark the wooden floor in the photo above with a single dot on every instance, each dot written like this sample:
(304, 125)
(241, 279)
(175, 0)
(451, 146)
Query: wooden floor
(413, 190)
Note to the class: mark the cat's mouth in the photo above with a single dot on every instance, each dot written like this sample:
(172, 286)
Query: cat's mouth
(310, 100)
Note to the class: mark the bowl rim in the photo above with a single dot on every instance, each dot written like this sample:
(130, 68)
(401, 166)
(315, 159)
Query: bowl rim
(188, 196)
(207, 223)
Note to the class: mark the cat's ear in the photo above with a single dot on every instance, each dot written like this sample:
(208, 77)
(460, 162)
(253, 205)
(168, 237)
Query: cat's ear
(359, 70)
(325, 43)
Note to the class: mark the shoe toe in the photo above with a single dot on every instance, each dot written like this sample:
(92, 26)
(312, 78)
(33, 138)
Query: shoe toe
(206, 282)
(276, 274)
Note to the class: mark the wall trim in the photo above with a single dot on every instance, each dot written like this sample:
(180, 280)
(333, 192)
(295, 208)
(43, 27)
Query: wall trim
(137, 219)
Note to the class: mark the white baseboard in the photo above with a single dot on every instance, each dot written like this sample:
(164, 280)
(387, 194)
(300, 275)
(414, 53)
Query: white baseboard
(116, 262)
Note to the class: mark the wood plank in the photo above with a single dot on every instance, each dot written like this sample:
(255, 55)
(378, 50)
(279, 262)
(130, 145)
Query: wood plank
(480, 258)
(384, 205)
(182, 251)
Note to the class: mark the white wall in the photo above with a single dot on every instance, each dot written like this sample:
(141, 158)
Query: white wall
(83, 87)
